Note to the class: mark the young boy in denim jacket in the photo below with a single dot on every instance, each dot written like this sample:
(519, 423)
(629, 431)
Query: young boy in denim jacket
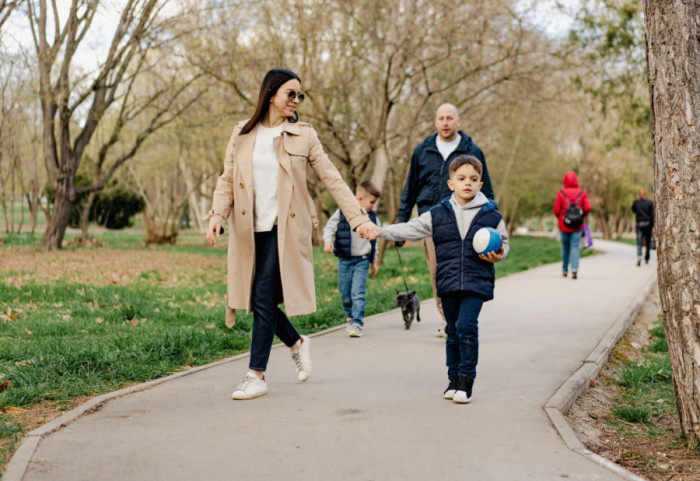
(465, 280)
(356, 257)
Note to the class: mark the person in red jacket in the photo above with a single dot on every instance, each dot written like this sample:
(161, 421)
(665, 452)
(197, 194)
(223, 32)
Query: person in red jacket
(572, 195)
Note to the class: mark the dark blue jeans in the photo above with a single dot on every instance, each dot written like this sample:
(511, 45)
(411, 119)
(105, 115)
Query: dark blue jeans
(352, 281)
(268, 318)
(462, 329)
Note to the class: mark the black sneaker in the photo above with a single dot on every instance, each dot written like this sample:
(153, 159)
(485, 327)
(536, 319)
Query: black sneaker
(451, 389)
(464, 390)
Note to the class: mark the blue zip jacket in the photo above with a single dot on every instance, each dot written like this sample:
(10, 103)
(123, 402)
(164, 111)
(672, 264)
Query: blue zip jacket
(426, 184)
(343, 238)
(459, 268)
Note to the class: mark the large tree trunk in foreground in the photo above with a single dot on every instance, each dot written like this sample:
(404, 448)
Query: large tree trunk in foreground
(673, 63)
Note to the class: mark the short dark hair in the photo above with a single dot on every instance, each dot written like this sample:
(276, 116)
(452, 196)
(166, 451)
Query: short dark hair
(272, 82)
(369, 187)
(466, 160)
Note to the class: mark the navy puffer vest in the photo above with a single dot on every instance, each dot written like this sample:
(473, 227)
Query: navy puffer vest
(343, 237)
(459, 268)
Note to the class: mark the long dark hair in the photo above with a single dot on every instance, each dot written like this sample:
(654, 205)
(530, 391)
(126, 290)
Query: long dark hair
(273, 80)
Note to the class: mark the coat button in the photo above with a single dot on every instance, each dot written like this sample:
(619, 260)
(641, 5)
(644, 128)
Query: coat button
(243, 212)
(291, 215)
(241, 185)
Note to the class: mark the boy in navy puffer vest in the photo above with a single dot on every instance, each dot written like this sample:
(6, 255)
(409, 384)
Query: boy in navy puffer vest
(355, 257)
(465, 280)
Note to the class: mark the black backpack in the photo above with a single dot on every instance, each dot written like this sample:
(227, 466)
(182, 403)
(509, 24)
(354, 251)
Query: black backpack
(573, 218)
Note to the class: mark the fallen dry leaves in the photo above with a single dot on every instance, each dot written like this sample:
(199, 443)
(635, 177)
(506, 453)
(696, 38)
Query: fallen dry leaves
(107, 266)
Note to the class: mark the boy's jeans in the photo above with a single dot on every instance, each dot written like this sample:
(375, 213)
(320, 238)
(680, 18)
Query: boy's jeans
(268, 318)
(570, 249)
(352, 278)
(462, 347)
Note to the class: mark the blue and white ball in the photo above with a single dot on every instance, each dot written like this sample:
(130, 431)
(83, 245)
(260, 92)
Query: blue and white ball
(487, 239)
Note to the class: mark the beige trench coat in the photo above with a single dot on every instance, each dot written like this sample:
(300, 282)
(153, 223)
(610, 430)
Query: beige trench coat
(297, 148)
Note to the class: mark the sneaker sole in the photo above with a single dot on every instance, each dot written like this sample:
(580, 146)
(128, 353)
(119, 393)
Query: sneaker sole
(242, 397)
(461, 399)
(449, 395)
(354, 334)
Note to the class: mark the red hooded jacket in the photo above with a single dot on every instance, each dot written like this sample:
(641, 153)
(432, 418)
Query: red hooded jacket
(571, 191)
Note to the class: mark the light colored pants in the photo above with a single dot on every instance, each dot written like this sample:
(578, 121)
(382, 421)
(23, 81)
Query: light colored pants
(432, 267)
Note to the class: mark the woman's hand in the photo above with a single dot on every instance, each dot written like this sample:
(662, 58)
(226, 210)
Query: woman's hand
(213, 231)
(492, 256)
(368, 230)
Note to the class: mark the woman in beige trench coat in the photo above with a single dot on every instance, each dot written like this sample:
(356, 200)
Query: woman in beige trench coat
(263, 194)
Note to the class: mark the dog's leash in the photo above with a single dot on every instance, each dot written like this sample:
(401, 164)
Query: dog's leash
(401, 264)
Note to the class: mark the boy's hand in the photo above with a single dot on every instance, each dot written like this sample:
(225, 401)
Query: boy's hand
(373, 268)
(367, 230)
(328, 247)
(492, 256)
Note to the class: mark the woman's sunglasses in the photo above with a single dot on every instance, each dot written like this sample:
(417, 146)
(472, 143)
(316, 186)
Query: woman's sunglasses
(291, 95)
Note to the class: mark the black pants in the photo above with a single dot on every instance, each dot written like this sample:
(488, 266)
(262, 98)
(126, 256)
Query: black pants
(268, 318)
(643, 237)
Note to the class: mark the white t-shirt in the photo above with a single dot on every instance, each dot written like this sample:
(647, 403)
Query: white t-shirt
(446, 148)
(265, 171)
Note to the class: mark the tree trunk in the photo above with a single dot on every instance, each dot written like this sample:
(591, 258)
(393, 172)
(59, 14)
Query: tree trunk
(381, 165)
(673, 63)
(85, 217)
(58, 223)
(604, 225)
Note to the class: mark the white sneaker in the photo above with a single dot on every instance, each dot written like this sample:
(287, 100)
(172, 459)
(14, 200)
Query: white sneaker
(250, 387)
(355, 330)
(347, 324)
(440, 333)
(302, 359)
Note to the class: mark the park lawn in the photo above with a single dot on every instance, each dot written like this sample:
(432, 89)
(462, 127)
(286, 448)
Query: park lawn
(86, 321)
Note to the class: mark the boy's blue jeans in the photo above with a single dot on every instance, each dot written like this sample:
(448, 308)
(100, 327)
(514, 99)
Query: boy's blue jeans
(352, 278)
(268, 318)
(570, 249)
(462, 329)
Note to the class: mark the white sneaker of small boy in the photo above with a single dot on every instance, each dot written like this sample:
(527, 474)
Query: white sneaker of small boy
(355, 330)
(250, 387)
(440, 333)
(460, 397)
(302, 359)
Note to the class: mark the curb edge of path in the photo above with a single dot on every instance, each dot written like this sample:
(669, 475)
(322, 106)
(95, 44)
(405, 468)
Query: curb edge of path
(571, 389)
(18, 464)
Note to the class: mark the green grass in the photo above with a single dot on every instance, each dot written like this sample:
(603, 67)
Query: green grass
(646, 389)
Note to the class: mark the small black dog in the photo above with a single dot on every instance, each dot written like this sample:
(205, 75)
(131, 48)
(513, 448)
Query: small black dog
(410, 306)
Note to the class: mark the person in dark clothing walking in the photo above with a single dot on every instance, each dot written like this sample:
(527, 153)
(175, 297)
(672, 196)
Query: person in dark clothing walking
(428, 173)
(643, 210)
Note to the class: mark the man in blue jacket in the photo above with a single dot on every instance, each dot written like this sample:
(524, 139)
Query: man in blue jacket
(426, 185)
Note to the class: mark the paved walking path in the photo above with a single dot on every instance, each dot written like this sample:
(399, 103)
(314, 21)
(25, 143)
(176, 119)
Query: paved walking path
(373, 408)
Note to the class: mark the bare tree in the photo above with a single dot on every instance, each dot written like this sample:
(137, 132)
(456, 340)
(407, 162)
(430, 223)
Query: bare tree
(6, 8)
(673, 63)
(74, 108)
